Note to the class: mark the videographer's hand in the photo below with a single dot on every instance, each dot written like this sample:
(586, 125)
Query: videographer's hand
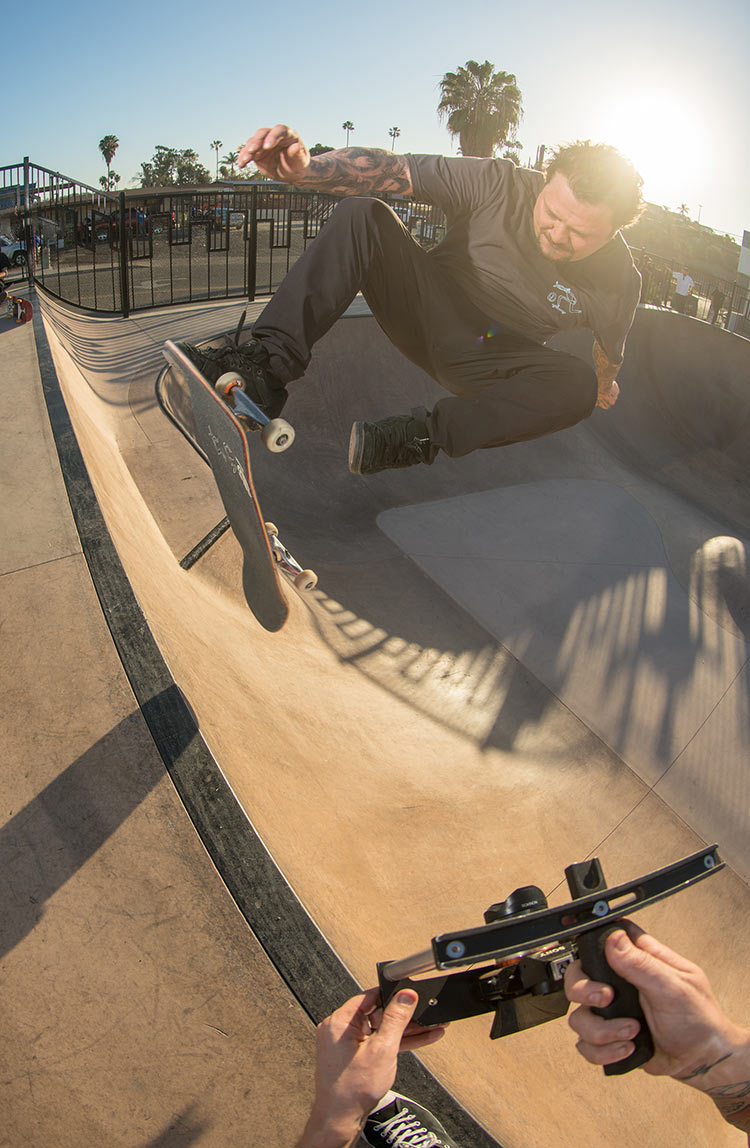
(356, 1054)
(278, 152)
(688, 1025)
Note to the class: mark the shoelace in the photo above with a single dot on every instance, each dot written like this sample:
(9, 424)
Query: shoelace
(404, 1130)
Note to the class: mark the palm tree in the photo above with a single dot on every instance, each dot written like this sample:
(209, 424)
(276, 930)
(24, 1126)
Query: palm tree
(108, 145)
(348, 126)
(231, 159)
(216, 144)
(394, 133)
(482, 107)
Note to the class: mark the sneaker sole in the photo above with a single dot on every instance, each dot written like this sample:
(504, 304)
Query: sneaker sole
(356, 447)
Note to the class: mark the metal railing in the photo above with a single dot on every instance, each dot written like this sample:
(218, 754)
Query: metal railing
(715, 300)
(132, 251)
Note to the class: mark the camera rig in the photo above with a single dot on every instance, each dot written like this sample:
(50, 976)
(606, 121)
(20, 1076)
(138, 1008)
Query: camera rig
(519, 956)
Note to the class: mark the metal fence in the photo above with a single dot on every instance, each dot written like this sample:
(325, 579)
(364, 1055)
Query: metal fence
(136, 250)
(715, 300)
(131, 251)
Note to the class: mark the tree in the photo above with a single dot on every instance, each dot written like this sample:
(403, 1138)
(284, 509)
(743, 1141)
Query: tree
(231, 159)
(394, 133)
(482, 107)
(320, 149)
(169, 166)
(109, 182)
(348, 126)
(216, 144)
(108, 145)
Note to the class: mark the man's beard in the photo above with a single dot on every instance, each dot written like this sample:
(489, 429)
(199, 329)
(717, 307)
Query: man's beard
(558, 255)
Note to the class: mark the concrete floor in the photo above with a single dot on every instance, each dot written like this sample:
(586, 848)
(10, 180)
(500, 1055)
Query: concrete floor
(512, 662)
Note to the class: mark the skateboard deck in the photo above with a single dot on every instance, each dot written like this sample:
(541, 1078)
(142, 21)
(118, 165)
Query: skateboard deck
(21, 308)
(214, 430)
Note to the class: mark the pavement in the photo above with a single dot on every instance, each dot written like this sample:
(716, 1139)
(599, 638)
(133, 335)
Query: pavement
(512, 661)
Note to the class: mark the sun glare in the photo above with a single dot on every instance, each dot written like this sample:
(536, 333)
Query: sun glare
(663, 138)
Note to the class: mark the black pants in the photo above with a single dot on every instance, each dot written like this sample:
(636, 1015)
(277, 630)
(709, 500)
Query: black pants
(505, 388)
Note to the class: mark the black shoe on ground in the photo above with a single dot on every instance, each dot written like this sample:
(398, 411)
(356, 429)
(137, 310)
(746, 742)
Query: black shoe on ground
(401, 440)
(399, 1122)
(250, 360)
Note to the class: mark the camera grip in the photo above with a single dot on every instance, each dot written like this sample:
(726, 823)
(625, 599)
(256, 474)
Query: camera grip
(625, 1003)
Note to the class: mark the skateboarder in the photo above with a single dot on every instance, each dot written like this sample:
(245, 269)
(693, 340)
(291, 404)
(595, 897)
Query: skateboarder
(695, 1043)
(524, 255)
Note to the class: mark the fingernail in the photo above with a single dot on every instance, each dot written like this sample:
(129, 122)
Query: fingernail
(625, 1033)
(620, 942)
(596, 999)
(405, 997)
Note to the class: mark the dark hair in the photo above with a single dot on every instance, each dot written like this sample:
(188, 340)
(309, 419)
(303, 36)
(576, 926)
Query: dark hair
(598, 173)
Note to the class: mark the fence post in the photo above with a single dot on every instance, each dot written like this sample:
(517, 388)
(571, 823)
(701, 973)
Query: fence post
(124, 253)
(252, 244)
(27, 233)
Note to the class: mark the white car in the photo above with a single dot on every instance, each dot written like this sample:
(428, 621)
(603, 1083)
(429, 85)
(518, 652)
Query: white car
(14, 250)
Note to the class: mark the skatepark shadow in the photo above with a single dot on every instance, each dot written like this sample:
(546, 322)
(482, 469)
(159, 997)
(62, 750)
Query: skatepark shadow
(48, 841)
(446, 666)
(184, 1130)
(120, 352)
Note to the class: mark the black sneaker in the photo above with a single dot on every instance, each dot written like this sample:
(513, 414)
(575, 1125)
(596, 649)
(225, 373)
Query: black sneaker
(399, 1122)
(401, 440)
(251, 362)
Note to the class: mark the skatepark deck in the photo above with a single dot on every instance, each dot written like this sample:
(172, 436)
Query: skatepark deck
(513, 661)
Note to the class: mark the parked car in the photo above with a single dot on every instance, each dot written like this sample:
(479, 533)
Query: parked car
(14, 249)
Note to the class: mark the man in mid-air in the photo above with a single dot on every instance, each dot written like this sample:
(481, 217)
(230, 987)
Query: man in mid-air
(525, 255)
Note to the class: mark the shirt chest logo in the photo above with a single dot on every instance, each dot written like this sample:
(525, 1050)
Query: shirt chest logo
(564, 300)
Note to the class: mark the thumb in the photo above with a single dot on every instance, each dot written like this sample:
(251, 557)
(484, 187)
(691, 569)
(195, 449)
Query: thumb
(396, 1016)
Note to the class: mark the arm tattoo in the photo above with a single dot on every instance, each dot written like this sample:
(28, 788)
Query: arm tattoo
(606, 371)
(358, 171)
(732, 1100)
(703, 1069)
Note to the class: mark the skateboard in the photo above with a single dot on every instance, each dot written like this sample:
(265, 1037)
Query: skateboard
(216, 420)
(19, 308)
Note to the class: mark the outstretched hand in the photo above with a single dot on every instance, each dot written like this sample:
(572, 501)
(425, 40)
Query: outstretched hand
(356, 1055)
(609, 392)
(278, 152)
(691, 1032)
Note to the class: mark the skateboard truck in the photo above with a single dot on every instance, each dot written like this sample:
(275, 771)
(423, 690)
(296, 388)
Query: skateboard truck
(302, 579)
(525, 946)
(276, 434)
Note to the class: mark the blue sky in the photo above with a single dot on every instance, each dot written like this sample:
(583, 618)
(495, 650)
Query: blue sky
(664, 80)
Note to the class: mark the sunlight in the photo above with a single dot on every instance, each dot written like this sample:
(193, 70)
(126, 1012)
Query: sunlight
(664, 138)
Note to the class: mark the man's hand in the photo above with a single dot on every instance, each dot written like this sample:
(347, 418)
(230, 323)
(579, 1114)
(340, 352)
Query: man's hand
(278, 152)
(609, 393)
(694, 1041)
(357, 1050)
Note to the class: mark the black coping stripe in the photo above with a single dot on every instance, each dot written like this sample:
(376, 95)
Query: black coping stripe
(205, 544)
(297, 949)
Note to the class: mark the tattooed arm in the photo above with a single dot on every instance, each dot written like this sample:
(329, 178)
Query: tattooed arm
(280, 153)
(695, 1042)
(606, 373)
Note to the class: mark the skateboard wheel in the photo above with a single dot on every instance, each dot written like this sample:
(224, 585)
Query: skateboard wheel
(277, 435)
(272, 530)
(226, 383)
(306, 580)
